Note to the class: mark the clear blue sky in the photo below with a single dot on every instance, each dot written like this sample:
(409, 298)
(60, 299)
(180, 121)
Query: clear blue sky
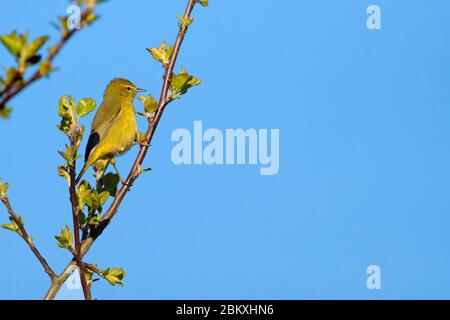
(364, 152)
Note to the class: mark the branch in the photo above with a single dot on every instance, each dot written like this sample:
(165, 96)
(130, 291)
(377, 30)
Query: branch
(136, 168)
(76, 230)
(93, 269)
(24, 235)
(9, 92)
(153, 124)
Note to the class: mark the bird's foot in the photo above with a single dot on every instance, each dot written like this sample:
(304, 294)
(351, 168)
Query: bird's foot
(144, 144)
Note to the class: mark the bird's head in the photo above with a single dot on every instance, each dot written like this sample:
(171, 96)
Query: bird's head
(122, 89)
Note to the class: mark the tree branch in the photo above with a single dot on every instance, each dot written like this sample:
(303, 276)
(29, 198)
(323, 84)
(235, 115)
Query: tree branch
(94, 269)
(136, 167)
(76, 231)
(10, 91)
(153, 124)
(24, 235)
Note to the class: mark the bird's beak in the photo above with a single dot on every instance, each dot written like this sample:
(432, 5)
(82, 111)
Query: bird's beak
(140, 90)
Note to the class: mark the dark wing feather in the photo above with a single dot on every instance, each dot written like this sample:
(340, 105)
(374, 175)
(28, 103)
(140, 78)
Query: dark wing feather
(93, 141)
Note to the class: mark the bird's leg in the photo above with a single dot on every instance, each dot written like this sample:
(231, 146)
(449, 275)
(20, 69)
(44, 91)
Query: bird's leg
(144, 144)
(100, 167)
(113, 163)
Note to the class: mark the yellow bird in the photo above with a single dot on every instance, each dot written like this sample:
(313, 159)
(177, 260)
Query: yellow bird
(114, 128)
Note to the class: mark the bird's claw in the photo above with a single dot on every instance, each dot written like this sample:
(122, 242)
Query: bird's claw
(143, 144)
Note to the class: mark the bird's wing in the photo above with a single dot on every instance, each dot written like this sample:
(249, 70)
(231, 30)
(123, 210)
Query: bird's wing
(93, 141)
(103, 120)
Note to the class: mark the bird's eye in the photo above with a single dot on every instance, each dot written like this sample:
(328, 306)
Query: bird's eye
(129, 89)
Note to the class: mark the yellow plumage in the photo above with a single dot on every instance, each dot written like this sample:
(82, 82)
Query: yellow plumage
(114, 128)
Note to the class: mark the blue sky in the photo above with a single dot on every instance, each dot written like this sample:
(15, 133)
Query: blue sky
(364, 154)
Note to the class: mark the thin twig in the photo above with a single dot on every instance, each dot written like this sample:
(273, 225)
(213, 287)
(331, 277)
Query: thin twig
(135, 169)
(10, 91)
(93, 269)
(76, 226)
(24, 235)
(17, 76)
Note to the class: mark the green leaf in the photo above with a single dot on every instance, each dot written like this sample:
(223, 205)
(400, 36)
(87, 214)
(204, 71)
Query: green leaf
(85, 106)
(67, 112)
(45, 68)
(194, 82)
(28, 54)
(5, 113)
(102, 197)
(65, 240)
(94, 219)
(63, 171)
(52, 50)
(62, 21)
(185, 22)
(13, 43)
(114, 276)
(84, 194)
(179, 82)
(91, 18)
(110, 182)
(3, 188)
(70, 155)
(150, 104)
(144, 170)
(203, 2)
(100, 166)
(13, 225)
(162, 54)
(88, 273)
(141, 138)
(36, 45)
(64, 155)
(12, 76)
(182, 82)
(91, 198)
(63, 107)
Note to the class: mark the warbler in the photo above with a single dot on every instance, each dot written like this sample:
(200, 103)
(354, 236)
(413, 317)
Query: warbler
(114, 127)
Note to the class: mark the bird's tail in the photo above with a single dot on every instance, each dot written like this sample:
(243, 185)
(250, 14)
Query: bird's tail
(83, 171)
